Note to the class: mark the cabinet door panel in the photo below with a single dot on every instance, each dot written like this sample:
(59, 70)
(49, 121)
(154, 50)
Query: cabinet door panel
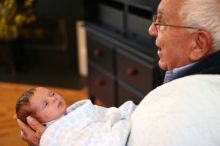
(101, 52)
(134, 71)
(102, 86)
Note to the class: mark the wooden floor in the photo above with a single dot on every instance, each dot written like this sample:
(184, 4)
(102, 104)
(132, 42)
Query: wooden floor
(9, 93)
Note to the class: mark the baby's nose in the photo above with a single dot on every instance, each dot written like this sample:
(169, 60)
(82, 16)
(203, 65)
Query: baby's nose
(53, 98)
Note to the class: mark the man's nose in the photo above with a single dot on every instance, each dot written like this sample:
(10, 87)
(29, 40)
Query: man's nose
(152, 30)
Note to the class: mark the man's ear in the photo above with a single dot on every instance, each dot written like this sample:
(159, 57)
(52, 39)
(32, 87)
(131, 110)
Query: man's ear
(202, 45)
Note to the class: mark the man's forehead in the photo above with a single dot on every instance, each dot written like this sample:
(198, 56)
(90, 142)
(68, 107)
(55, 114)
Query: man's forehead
(167, 7)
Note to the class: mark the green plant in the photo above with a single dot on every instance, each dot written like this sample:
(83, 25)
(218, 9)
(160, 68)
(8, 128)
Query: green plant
(14, 14)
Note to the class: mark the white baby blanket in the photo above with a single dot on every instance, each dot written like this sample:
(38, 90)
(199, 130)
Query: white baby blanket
(89, 125)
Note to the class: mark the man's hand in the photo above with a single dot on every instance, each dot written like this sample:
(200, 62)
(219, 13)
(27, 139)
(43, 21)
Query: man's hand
(32, 132)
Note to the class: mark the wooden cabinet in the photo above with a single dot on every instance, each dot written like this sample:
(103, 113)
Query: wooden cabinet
(135, 71)
(122, 56)
(101, 52)
(101, 69)
(102, 85)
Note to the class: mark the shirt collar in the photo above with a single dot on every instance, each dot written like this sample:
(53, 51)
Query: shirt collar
(171, 74)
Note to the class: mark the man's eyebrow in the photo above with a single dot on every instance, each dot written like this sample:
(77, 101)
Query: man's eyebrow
(160, 15)
(162, 12)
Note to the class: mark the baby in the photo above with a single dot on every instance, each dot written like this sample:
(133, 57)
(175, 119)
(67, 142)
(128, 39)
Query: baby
(81, 124)
(40, 103)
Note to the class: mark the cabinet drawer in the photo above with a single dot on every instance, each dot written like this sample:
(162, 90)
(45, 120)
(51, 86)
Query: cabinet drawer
(137, 26)
(134, 71)
(102, 86)
(111, 17)
(126, 93)
(101, 52)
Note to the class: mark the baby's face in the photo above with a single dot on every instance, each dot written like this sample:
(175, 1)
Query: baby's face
(47, 105)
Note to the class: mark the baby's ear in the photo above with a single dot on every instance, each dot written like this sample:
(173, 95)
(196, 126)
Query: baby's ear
(202, 45)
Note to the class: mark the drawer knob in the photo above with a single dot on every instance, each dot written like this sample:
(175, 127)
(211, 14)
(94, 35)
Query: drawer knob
(132, 71)
(97, 53)
(99, 82)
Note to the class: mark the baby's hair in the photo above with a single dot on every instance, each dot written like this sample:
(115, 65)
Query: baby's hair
(22, 104)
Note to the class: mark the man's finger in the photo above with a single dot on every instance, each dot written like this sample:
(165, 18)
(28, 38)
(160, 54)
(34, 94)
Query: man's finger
(15, 116)
(23, 136)
(35, 125)
(31, 133)
(26, 129)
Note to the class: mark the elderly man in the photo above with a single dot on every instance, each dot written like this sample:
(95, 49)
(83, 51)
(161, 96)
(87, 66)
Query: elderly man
(185, 111)
(188, 39)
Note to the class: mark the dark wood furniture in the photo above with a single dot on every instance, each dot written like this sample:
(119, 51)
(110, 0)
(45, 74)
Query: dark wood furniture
(122, 56)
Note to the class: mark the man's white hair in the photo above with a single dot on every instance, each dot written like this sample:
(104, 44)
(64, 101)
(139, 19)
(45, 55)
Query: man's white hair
(204, 14)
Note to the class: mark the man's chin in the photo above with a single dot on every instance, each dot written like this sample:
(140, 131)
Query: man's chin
(162, 66)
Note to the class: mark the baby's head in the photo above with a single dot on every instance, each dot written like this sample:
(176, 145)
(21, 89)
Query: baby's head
(40, 103)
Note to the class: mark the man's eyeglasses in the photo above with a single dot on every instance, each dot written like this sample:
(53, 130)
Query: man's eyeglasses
(160, 26)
